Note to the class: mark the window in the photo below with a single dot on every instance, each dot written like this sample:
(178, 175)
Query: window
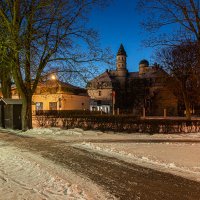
(39, 106)
(52, 105)
(99, 93)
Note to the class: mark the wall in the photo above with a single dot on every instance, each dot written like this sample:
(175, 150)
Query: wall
(64, 101)
(106, 94)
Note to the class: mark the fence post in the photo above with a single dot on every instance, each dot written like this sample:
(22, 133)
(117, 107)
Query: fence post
(144, 113)
(113, 111)
(165, 113)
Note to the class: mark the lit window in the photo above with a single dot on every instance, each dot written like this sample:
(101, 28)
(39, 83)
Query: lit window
(39, 106)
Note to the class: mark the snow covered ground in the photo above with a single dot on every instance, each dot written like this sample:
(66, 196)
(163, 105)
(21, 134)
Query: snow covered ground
(24, 175)
(181, 158)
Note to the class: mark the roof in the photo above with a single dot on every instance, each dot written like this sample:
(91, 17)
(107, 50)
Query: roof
(11, 101)
(121, 51)
(104, 80)
(144, 62)
(64, 87)
(133, 74)
(154, 72)
(58, 82)
(102, 77)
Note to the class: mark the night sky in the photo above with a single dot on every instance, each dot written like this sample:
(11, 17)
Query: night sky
(120, 23)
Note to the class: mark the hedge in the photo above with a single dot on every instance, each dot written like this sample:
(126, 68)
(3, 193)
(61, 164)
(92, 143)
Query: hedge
(117, 123)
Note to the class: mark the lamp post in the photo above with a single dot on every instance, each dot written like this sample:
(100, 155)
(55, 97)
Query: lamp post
(113, 101)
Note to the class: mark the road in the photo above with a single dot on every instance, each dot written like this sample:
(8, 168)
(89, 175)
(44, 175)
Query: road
(123, 180)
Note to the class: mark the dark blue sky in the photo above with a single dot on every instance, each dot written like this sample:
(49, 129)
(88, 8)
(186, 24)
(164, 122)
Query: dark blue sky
(120, 23)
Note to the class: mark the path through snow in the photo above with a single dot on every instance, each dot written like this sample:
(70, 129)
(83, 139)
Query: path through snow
(28, 177)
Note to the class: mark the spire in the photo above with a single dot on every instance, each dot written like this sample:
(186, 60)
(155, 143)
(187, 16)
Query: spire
(121, 51)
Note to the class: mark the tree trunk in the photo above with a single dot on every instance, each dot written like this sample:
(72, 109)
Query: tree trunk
(26, 112)
(5, 82)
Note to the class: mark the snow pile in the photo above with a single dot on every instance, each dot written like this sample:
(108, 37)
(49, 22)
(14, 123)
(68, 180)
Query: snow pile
(180, 159)
(191, 135)
(178, 136)
(59, 131)
(77, 132)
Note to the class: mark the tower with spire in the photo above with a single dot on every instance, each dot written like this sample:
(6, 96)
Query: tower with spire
(121, 62)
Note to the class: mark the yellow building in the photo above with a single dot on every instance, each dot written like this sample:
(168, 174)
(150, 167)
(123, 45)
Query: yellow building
(57, 95)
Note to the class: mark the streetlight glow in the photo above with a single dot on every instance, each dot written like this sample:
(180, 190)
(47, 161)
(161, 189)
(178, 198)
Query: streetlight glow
(53, 77)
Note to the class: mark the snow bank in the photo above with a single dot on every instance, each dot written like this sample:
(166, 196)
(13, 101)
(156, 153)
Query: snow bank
(59, 131)
(107, 135)
(177, 158)
(77, 132)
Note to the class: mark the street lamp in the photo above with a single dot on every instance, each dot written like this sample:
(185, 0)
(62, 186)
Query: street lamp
(53, 77)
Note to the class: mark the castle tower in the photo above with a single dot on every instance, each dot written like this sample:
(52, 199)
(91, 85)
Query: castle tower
(143, 67)
(121, 61)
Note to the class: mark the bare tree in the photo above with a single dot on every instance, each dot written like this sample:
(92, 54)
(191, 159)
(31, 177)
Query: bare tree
(45, 34)
(5, 76)
(182, 63)
(179, 56)
(185, 14)
(5, 80)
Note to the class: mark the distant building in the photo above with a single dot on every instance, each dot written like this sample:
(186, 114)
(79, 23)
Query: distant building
(132, 91)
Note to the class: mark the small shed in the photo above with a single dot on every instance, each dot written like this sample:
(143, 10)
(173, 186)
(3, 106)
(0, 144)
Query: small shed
(10, 113)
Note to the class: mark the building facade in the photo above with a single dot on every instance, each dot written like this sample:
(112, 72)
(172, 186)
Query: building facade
(132, 91)
(57, 95)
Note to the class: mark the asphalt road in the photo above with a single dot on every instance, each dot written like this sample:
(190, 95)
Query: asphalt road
(123, 180)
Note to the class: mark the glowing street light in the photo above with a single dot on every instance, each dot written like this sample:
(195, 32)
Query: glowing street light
(53, 77)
